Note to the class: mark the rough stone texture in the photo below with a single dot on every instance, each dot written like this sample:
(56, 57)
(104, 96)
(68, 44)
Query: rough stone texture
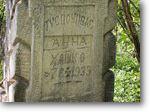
(59, 50)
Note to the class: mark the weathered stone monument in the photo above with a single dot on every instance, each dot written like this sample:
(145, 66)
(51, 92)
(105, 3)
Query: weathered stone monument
(59, 51)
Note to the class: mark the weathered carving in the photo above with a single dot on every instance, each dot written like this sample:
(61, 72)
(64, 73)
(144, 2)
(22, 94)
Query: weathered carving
(59, 50)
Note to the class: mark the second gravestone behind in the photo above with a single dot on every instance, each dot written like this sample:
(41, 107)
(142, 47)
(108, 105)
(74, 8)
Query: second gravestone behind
(70, 50)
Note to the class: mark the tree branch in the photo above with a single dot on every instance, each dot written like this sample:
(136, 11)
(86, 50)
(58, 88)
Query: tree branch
(132, 28)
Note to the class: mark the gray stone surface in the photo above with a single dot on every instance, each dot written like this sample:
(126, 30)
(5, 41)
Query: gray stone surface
(59, 50)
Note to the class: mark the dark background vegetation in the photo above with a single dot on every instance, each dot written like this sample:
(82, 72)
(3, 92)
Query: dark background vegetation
(2, 31)
(127, 32)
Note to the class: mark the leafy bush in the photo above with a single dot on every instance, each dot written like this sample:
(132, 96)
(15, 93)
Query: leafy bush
(127, 71)
(2, 22)
(2, 9)
(127, 68)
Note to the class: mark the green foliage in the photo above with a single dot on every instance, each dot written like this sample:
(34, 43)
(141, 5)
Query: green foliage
(2, 22)
(2, 10)
(135, 11)
(127, 68)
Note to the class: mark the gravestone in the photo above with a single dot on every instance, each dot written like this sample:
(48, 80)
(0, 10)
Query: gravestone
(59, 50)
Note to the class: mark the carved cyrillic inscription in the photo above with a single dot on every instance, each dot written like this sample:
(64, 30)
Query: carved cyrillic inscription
(67, 41)
(67, 60)
(67, 50)
(68, 19)
(67, 56)
(63, 19)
